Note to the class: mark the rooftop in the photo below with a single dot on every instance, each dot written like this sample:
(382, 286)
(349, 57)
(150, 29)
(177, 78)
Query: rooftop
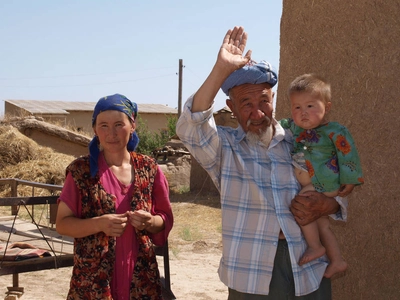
(63, 107)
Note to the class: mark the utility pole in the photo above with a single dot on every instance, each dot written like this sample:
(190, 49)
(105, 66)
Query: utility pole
(180, 88)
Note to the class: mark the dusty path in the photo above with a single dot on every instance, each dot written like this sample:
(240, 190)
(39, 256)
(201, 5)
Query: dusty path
(193, 276)
(194, 251)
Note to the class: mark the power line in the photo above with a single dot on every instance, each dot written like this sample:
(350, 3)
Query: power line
(191, 71)
(82, 75)
(87, 84)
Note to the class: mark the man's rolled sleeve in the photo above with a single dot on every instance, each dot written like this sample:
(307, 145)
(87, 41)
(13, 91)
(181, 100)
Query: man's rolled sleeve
(197, 117)
(198, 132)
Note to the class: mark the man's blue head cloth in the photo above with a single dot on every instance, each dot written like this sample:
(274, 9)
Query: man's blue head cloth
(113, 102)
(252, 72)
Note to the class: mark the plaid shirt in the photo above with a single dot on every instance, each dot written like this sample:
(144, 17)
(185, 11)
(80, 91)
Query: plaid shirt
(256, 184)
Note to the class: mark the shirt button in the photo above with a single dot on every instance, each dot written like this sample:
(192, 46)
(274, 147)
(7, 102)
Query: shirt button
(275, 243)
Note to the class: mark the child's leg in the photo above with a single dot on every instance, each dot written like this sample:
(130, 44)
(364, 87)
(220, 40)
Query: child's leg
(310, 231)
(315, 248)
(337, 263)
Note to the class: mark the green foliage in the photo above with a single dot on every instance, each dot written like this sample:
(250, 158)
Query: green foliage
(150, 141)
(171, 125)
(184, 189)
(190, 234)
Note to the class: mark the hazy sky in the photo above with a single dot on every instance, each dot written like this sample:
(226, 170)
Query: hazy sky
(82, 50)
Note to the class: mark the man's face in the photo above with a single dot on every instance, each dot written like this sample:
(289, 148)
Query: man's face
(251, 104)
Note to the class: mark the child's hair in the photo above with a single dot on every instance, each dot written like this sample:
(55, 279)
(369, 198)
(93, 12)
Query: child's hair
(313, 84)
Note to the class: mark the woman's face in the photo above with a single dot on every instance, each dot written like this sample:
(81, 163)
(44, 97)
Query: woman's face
(113, 129)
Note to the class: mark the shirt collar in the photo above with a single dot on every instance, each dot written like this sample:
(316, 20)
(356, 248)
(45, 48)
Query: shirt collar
(281, 134)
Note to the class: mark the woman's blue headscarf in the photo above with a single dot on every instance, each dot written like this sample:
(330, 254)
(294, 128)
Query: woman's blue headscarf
(113, 102)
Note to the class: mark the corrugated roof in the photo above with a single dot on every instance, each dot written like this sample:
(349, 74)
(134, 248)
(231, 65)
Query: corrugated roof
(62, 107)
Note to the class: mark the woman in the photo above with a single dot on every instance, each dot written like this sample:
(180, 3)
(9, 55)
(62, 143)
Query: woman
(115, 203)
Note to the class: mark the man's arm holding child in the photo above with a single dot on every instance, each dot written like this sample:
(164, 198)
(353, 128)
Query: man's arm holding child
(310, 206)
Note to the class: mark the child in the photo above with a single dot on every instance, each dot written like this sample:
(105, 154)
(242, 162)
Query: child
(325, 160)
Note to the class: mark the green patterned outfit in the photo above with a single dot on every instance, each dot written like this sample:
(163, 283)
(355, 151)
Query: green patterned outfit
(328, 153)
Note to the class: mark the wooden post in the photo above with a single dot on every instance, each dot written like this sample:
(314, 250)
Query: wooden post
(180, 88)
(13, 185)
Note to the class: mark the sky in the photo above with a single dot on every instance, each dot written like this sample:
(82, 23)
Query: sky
(82, 50)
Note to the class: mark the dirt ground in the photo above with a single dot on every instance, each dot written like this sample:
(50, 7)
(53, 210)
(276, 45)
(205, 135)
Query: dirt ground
(194, 251)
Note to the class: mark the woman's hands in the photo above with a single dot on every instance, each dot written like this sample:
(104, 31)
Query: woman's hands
(110, 224)
(143, 220)
(113, 224)
(68, 224)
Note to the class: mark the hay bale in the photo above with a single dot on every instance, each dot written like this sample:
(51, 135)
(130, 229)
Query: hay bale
(22, 158)
(15, 147)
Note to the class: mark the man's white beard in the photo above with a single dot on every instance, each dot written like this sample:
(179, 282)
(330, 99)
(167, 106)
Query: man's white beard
(264, 136)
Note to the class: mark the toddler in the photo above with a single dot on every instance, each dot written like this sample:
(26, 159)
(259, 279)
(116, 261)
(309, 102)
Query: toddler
(325, 160)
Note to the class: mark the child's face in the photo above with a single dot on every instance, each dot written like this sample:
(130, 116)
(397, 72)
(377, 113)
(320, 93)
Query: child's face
(308, 111)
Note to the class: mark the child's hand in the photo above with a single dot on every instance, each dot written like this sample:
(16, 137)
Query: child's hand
(345, 189)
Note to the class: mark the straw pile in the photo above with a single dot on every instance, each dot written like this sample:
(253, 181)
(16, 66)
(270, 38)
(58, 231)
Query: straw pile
(22, 158)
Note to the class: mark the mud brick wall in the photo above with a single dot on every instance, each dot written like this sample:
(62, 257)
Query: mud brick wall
(356, 46)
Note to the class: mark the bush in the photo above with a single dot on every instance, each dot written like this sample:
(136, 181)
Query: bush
(149, 141)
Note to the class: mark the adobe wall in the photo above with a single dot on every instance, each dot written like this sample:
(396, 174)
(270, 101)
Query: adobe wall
(81, 120)
(57, 143)
(55, 137)
(355, 45)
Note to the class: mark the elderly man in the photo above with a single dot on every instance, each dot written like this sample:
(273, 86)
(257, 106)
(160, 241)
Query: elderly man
(251, 167)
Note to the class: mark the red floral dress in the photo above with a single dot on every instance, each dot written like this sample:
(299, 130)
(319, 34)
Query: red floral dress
(95, 254)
